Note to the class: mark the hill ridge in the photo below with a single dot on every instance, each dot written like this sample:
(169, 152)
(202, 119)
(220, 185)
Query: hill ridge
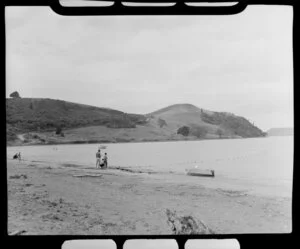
(180, 106)
(43, 116)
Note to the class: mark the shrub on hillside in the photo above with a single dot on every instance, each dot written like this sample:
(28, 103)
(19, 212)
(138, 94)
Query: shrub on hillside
(184, 130)
(220, 133)
(120, 123)
(58, 130)
(161, 123)
(15, 95)
(239, 125)
(11, 136)
(35, 136)
(214, 119)
(199, 131)
(137, 119)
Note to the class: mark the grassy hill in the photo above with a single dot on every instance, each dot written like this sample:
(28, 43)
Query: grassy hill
(44, 114)
(212, 124)
(36, 121)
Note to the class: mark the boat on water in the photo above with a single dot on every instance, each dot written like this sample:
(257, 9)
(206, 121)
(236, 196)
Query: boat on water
(201, 172)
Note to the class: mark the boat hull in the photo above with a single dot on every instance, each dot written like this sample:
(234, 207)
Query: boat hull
(203, 173)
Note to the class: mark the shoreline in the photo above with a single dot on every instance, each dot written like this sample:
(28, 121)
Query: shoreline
(122, 142)
(48, 200)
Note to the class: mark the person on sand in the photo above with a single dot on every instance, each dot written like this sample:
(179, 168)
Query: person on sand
(105, 160)
(98, 158)
(19, 156)
(102, 163)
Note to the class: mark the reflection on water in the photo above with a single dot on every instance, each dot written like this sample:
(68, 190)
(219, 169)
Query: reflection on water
(256, 160)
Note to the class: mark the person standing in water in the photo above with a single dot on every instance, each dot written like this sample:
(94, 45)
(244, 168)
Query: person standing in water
(98, 158)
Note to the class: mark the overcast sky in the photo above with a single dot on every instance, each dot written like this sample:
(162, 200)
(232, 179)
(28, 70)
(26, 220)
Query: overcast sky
(237, 63)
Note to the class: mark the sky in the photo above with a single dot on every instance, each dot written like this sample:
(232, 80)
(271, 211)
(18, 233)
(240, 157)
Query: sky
(138, 64)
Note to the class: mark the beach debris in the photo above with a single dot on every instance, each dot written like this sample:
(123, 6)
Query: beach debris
(18, 176)
(88, 175)
(133, 170)
(52, 217)
(232, 193)
(18, 232)
(126, 169)
(72, 165)
(186, 224)
(32, 165)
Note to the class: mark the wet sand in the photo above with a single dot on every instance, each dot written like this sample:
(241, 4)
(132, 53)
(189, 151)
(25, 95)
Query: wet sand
(45, 199)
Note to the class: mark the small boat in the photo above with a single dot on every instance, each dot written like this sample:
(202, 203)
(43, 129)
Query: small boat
(102, 147)
(201, 172)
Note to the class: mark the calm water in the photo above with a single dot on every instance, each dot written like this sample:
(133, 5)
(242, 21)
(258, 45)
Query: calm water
(255, 161)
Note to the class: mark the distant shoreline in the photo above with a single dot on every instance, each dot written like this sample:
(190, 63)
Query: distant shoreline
(125, 142)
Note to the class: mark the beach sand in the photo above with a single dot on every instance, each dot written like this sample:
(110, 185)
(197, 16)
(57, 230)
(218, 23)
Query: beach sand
(47, 199)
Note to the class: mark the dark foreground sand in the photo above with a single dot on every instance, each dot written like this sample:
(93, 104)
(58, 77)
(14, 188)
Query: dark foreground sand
(47, 200)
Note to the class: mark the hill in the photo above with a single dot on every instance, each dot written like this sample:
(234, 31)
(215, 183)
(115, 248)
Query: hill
(174, 109)
(44, 114)
(209, 123)
(36, 121)
(25, 115)
(280, 132)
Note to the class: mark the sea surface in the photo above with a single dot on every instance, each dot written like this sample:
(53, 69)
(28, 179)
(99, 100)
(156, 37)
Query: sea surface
(260, 165)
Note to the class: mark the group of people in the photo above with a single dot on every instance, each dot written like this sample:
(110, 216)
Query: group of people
(17, 156)
(101, 162)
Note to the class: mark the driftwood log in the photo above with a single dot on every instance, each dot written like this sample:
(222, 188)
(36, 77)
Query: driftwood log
(186, 224)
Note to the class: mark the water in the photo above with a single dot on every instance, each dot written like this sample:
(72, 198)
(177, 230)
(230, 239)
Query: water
(250, 162)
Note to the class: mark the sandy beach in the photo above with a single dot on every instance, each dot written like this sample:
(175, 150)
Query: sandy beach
(67, 199)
